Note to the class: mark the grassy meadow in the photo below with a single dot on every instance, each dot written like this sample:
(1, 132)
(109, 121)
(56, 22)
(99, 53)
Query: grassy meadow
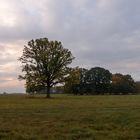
(65, 117)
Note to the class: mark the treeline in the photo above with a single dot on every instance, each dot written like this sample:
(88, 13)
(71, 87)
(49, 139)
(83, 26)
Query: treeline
(45, 65)
(99, 81)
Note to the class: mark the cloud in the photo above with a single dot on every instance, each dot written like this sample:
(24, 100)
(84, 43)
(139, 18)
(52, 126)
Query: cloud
(102, 33)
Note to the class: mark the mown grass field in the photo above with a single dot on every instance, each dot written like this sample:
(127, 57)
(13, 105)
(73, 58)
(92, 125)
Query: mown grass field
(70, 118)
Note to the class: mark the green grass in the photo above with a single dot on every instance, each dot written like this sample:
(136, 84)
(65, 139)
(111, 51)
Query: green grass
(70, 118)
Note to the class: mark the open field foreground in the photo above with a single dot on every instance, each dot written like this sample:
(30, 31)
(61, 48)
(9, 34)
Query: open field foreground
(70, 118)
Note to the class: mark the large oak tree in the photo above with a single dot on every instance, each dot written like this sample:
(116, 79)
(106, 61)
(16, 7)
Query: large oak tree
(44, 64)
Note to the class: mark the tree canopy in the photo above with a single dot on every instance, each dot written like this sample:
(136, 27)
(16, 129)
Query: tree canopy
(45, 64)
(72, 80)
(98, 80)
(122, 84)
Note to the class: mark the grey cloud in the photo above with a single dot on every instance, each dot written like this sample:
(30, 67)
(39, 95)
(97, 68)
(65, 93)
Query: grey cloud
(99, 33)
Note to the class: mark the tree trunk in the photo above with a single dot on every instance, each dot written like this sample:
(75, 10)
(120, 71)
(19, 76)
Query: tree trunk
(48, 92)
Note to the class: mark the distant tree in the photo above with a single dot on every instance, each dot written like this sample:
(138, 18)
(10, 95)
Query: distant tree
(72, 80)
(137, 87)
(122, 84)
(83, 81)
(83, 86)
(98, 79)
(44, 64)
(76, 82)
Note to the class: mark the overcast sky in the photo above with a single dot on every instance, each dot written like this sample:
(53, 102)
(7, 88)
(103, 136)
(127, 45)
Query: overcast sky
(103, 33)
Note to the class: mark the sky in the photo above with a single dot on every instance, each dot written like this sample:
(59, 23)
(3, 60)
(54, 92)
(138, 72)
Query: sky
(104, 33)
